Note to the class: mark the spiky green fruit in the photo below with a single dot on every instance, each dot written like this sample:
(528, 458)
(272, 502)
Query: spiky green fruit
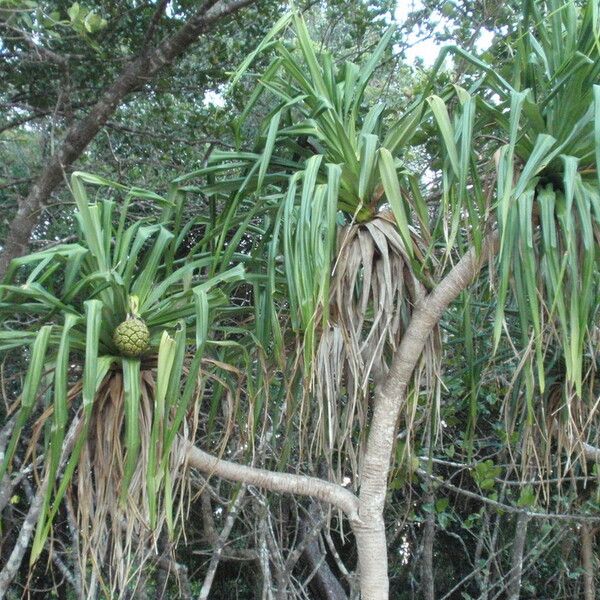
(132, 337)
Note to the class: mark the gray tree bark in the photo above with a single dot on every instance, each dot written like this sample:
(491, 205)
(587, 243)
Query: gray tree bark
(286, 483)
(391, 395)
(587, 560)
(513, 588)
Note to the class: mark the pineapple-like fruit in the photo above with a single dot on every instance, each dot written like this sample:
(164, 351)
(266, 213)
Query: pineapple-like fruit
(132, 337)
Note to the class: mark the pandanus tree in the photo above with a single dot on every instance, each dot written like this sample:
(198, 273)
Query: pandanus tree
(353, 261)
(111, 384)
(326, 174)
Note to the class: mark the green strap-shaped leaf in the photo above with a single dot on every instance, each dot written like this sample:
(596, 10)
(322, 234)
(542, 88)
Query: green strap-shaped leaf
(440, 112)
(61, 384)
(334, 173)
(538, 160)
(597, 128)
(265, 159)
(201, 306)
(93, 315)
(143, 283)
(135, 192)
(132, 391)
(401, 133)
(368, 68)
(506, 162)
(94, 371)
(166, 356)
(174, 388)
(130, 258)
(281, 24)
(391, 186)
(306, 46)
(368, 156)
(57, 433)
(89, 225)
(29, 393)
(159, 291)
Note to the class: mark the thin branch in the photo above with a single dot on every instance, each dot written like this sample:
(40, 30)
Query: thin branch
(15, 182)
(513, 586)
(591, 452)
(220, 543)
(35, 113)
(160, 136)
(511, 482)
(43, 54)
(158, 13)
(314, 531)
(13, 563)
(22, 120)
(8, 484)
(505, 507)
(169, 565)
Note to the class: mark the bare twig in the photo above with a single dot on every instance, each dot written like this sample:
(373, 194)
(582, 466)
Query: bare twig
(13, 563)
(507, 507)
(158, 13)
(220, 543)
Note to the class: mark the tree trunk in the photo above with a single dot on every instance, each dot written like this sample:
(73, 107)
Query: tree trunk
(366, 513)
(324, 585)
(587, 560)
(389, 399)
(137, 73)
(513, 588)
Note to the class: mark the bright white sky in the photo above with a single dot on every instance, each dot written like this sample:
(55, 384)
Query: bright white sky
(428, 50)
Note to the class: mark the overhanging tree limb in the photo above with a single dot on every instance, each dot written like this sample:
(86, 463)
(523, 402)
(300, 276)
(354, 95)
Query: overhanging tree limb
(135, 74)
(286, 483)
